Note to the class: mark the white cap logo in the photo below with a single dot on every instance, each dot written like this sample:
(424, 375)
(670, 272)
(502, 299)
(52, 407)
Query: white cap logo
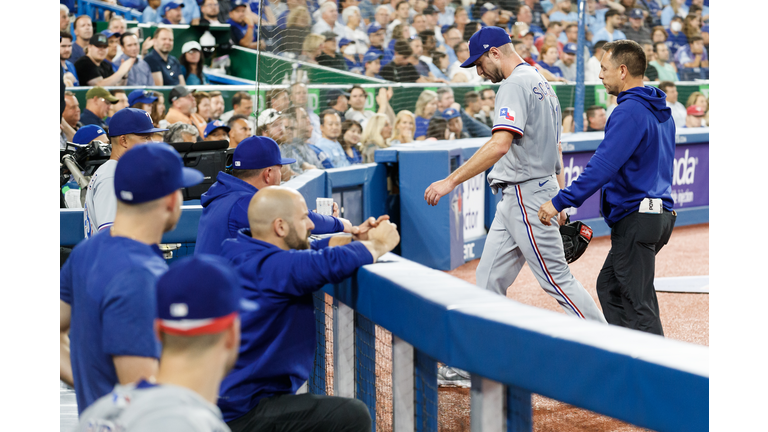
(237, 163)
(126, 195)
(148, 116)
(485, 46)
(179, 310)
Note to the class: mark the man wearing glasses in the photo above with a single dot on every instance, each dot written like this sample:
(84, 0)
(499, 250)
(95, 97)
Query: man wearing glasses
(210, 11)
(97, 103)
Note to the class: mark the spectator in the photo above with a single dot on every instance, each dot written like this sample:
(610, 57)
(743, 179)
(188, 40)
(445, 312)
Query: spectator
(190, 13)
(676, 39)
(382, 19)
(532, 50)
(71, 113)
(488, 96)
(350, 138)
(438, 129)
(698, 99)
(330, 127)
(562, 13)
(400, 68)
(141, 99)
(83, 34)
(352, 59)
(658, 34)
(97, 102)
(692, 26)
(525, 15)
(113, 44)
(426, 106)
(422, 67)
(432, 28)
(446, 13)
(551, 36)
(122, 102)
(203, 104)
(460, 21)
(92, 69)
(273, 248)
(158, 109)
(192, 63)
(611, 31)
(455, 125)
(353, 30)
(596, 118)
(473, 106)
(300, 98)
(472, 127)
(376, 35)
(592, 68)
(650, 72)
(217, 105)
(140, 73)
(636, 30)
(489, 15)
(705, 36)
(297, 23)
(329, 57)
(291, 5)
(678, 110)
(64, 19)
(242, 27)
(299, 148)
(568, 124)
(673, 8)
(181, 111)
(328, 21)
(567, 61)
(151, 13)
(666, 71)
(458, 74)
(107, 284)
(216, 130)
(65, 52)
(403, 130)
(172, 13)
(166, 69)
(439, 65)
(452, 37)
(375, 136)
(694, 117)
(693, 55)
(239, 129)
(210, 12)
(571, 35)
(195, 356)
(548, 59)
(471, 28)
(372, 63)
(357, 111)
(338, 100)
(418, 25)
(242, 104)
(311, 48)
(278, 99)
(89, 133)
(271, 125)
(181, 132)
(428, 44)
(401, 15)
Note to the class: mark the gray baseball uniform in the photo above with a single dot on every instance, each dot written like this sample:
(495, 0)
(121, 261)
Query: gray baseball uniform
(150, 408)
(100, 201)
(527, 106)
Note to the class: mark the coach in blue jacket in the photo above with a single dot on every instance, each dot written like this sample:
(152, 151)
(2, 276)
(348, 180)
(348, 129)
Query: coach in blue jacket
(256, 164)
(634, 166)
(279, 270)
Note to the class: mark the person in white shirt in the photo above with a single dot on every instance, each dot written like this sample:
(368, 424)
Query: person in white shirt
(327, 22)
(592, 68)
(679, 113)
(353, 31)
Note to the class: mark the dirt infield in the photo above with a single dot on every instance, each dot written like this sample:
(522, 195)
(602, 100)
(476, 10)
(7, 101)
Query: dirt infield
(685, 317)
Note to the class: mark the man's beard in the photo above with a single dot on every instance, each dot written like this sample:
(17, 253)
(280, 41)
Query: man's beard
(293, 241)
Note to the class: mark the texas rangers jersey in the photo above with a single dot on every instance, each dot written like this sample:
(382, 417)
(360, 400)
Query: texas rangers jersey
(100, 201)
(148, 408)
(527, 106)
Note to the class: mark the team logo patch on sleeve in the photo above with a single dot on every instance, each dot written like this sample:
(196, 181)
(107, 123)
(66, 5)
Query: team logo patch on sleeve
(507, 114)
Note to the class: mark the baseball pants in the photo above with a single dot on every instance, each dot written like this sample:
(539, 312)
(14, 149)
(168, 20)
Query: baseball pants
(517, 236)
(625, 284)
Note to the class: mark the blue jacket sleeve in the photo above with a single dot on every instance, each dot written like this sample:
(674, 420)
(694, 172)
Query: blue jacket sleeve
(617, 147)
(238, 216)
(473, 127)
(320, 244)
(325, 224)
(65, 282)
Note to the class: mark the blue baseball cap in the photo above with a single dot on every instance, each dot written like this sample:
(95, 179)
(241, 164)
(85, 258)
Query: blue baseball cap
(216, 124)
(198, 295)
(151, 171)
(485, 39)
(141, 96)
(636, 13)
(370, 56)
(373, 28)
(345, 41)
(131, 121)
(237, 3)
(570, 48)
(87, 133)
(258, 152)
(487, 7)
(171, 5)
(109, 34)
(451, 113)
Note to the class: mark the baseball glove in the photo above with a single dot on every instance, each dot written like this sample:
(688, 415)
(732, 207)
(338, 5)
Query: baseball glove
(576, 237)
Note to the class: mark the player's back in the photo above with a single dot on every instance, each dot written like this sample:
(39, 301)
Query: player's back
(527, 106)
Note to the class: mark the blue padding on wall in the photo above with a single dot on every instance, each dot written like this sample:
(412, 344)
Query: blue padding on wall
(636, 377)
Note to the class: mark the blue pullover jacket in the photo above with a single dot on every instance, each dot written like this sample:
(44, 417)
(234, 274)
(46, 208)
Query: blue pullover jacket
(634, 161)
(225, 212)
(278, 339)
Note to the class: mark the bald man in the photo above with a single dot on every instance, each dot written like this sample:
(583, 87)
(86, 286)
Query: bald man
(279, 269)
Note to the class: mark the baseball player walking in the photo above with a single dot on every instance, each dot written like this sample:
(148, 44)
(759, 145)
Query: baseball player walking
(107, 286)
(199, 326)
(524, 154)
(634, 166)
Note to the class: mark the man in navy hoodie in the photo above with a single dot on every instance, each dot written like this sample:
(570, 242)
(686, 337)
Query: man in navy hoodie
(633, 166)
(257, 164)
(279, 270)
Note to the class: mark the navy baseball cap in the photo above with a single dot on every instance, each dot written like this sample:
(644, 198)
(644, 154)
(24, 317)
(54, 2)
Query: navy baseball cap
(151, 171)
(333, 95)
(345, 41)
(141, 96)
(171, 5)
(258, 152)
(237, 3)
(212, 126)
(198, 295)
(373, 28)
(99, 40)
(429, 10)
(487, 7)
(570, 48)
(87, 133)
(131, 121)
(451, 113)
(636, 13)
(369, 57)
(485, 39)
(109, 34)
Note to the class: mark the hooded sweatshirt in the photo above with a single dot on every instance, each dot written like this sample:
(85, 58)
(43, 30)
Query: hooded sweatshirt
(634, 161)
(278, 339)
(225, 211)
